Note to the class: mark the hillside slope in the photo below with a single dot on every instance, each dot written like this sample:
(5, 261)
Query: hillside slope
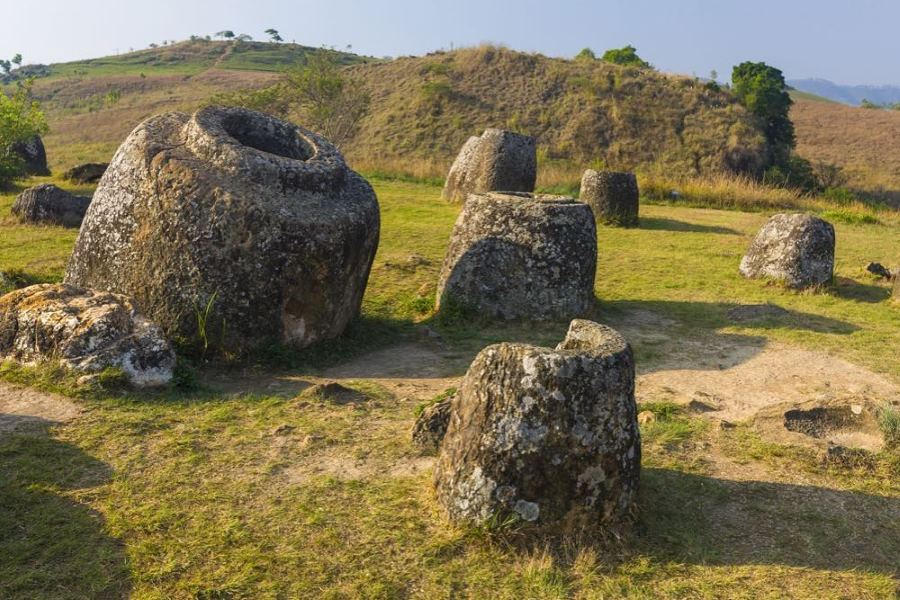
(865, 142)
(423, 108)
(585, 111)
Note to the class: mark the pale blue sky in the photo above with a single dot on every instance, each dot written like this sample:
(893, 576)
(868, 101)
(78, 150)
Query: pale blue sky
(850, 41)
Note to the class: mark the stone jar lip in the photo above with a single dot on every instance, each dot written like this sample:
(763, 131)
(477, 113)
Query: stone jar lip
(526, 197)
(264, 148)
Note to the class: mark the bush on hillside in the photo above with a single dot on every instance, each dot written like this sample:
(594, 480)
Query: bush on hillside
(763, 90)
(20, 119)
(626, 57)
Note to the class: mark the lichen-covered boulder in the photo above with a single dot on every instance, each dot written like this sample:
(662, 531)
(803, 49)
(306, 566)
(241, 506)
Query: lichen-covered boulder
(232, 226)
(497, 160)
(33, 154)
(48, 204)
(796, 249)
(86, 173)
(521, 256)
(85, 330)
(550, 435)
(613, 196)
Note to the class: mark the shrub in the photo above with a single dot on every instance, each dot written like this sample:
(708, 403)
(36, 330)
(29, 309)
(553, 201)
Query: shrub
(763, 91)
(20, 119)
(627, 57)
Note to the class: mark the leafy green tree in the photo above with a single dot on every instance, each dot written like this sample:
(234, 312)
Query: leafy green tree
(226, 34)
(274, 35)
(586, 54)
(17, 60)
(6, 66)
(244, 38)
(762, 89)
(20, 120)
(626, 56)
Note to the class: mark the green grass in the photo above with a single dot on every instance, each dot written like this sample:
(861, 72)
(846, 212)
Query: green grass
(255, 492)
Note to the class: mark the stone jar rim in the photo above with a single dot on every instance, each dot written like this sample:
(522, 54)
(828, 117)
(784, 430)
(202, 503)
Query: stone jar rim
(527, 197)
(264, 148)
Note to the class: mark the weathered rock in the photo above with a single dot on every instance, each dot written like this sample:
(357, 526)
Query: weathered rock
(550, 435)
(33, 154)
(85, 330)
(431, 425)
(515, 256)
(613, 196)
(253, 223)
(51, 205)
(497, 160)
(797, 249)
(86, 173)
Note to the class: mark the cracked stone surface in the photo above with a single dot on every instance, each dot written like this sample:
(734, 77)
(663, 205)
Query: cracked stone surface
(497, 160)
(796, 249)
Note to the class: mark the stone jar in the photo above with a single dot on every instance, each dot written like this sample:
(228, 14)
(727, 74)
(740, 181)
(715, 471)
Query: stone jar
(796, 249)
(232, 227)
(546, 435)
(614, 197)
(497, 160)
(521, 256)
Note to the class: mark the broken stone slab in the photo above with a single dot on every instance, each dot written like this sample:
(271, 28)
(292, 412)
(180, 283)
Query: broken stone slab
(497, 160)
(84, 330)
(613, 196)
(796, 249)
(547, 435)
(521, 256)
(86, 173)
(431, 426)
(49, 205)
(255, 224)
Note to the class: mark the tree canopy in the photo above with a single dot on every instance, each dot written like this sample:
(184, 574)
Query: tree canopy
(626, 56)
(762, 89)
(20, 120)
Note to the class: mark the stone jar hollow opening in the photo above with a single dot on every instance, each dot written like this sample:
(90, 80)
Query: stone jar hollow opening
(272, 139)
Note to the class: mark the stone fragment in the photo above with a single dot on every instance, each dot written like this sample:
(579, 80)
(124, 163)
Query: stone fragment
(49, 205)
(84, 330)
(86, 173)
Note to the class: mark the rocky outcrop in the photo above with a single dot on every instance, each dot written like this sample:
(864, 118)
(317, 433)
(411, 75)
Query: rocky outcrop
(497, 160)
(549, 435)
(613, 196)
(796, 249)
(34, 156)
(85, 330)
(431, 425)
(86, 173)
(232, 226)
(48, 204)
(521, 256)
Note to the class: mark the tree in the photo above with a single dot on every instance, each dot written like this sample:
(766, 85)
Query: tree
(626, 56)
(226, 34)
(586, 54)
(6, 66)
(317, 94)
(763, 91)
(714, 75)
(17, 60)
(274, 35)
(20, 120)
(244, 38)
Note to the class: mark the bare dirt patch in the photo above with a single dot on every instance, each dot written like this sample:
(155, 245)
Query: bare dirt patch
(22, 408)
(768, 376)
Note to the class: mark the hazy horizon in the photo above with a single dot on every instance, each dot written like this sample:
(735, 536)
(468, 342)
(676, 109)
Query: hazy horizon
(844, 43)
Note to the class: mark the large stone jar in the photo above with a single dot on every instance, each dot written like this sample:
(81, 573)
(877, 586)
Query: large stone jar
(549, 435)
(231, 226)
(521, 256)
(613, 196)
(795, 249)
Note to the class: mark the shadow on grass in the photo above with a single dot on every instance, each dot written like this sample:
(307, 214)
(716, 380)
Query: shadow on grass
(52, 546)
(662, 224)
(704, 520)
(860, 292)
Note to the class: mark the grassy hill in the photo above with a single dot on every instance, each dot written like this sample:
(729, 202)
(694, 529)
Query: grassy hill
(423, 108)
(588, 112)
(865, 142)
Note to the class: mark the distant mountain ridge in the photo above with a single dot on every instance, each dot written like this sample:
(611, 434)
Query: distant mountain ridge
(848, 94)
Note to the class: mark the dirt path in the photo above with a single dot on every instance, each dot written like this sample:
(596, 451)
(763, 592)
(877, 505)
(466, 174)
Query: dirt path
(23, 407)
